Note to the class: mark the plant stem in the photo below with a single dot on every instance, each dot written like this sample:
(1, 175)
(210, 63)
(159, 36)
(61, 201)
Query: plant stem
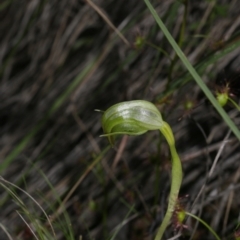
(234, 103)
(176, 179)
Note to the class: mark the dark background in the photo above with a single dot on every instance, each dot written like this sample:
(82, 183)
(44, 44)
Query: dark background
(59, 61)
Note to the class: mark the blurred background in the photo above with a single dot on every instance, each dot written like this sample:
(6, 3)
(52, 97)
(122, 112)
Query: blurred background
(61, 60)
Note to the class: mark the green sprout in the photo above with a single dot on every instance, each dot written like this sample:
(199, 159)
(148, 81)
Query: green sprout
(223, 97)
(179, 216)
(136, 118)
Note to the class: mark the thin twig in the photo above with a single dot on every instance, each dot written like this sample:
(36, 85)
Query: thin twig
(107, 20)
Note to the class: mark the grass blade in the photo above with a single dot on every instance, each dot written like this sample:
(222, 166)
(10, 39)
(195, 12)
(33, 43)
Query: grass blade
(193, 72)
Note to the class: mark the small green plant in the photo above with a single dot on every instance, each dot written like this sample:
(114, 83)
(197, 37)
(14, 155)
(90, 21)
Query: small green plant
(226, 90)
(223, 99)
(179, 217)
(192, 71)
(136, 118)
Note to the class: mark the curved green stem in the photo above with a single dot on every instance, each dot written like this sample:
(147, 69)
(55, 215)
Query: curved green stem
(205, 224)
(234, 103)
(159, 49)
(176, 179)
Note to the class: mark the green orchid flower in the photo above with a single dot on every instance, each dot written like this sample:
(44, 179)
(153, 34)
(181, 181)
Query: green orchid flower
(136, 118)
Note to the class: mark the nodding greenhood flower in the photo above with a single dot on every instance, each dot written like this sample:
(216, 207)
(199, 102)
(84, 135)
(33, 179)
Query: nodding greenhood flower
(138, 117)
(131, 118)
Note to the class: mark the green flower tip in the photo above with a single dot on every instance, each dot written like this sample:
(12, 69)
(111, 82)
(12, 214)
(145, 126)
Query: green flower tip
(130, 118)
